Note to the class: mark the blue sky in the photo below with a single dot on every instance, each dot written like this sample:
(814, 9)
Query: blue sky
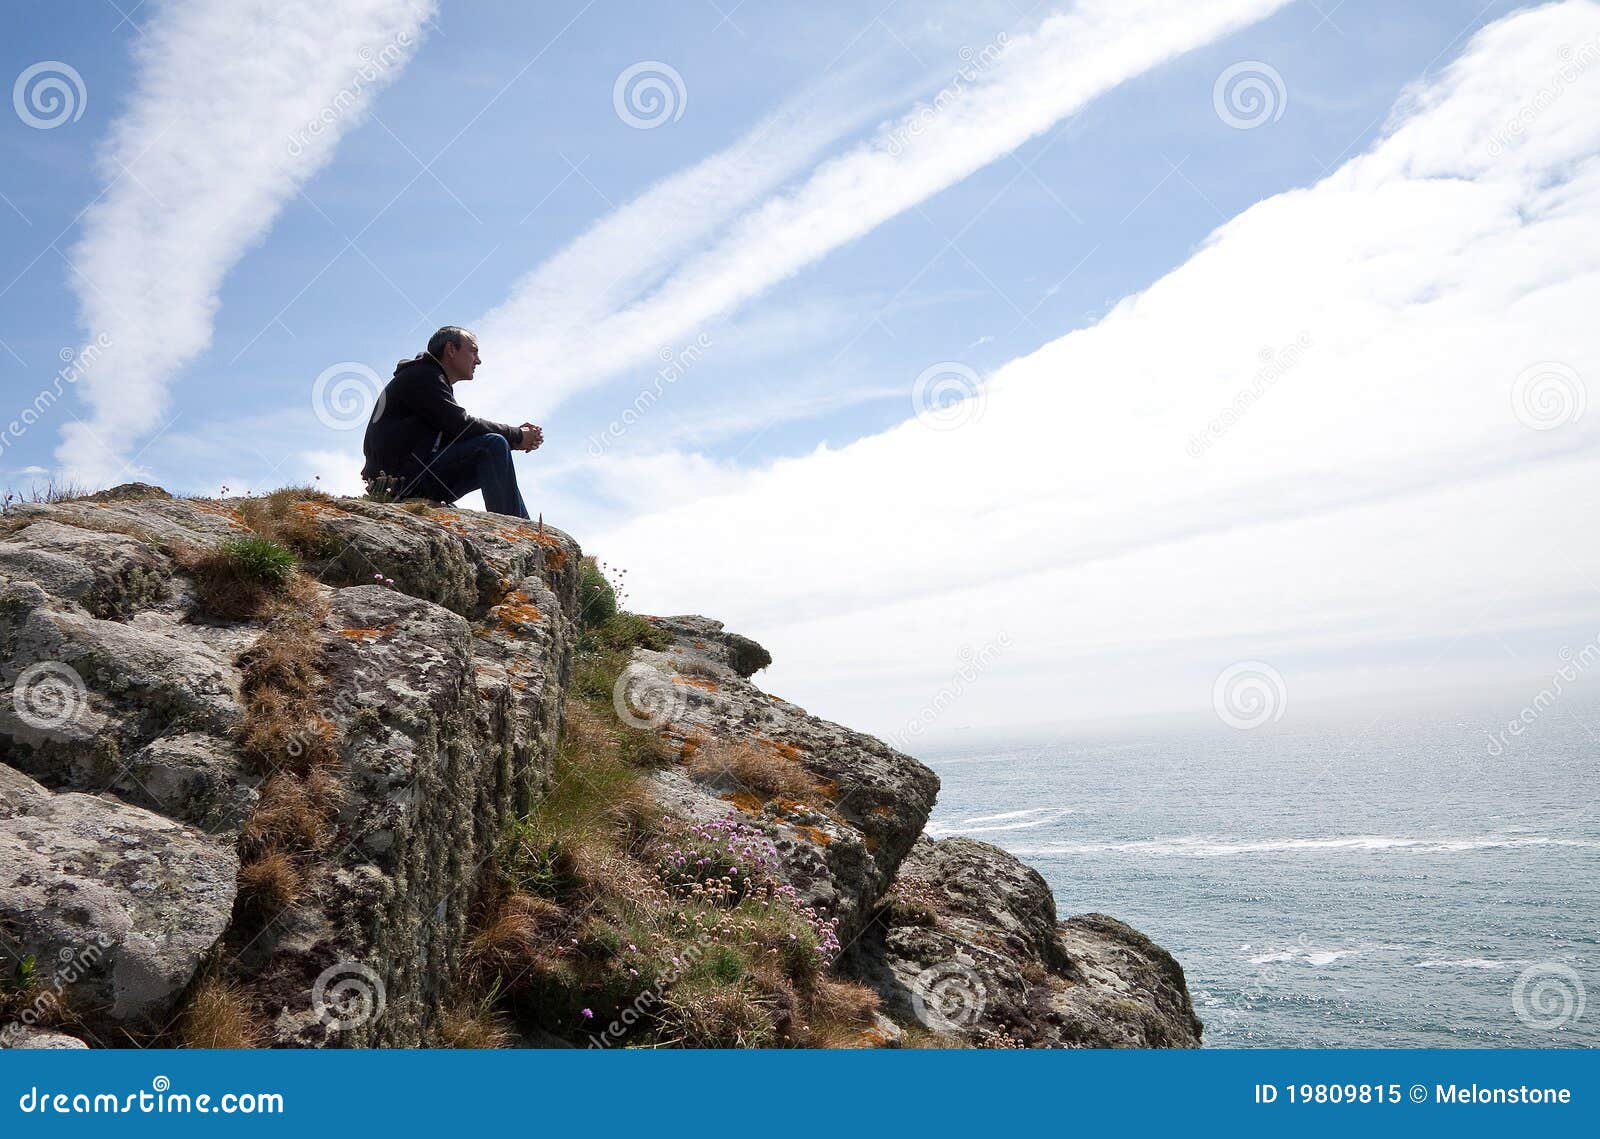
(448, 248)
(495, 142)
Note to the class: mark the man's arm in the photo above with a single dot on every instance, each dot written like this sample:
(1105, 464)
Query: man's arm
(432, 401)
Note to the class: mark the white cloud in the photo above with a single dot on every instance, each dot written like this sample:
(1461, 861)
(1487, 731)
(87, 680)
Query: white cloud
(1383, 496)
(235, 107)
(568, 326)
(629, 250)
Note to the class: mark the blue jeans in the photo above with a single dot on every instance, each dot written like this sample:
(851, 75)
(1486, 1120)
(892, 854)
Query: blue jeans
(482, 462)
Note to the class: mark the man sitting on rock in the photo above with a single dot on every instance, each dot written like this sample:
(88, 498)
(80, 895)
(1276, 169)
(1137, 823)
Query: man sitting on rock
(421, 443)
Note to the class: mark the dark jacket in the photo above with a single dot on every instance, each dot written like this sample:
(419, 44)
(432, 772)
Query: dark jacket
(416, 414)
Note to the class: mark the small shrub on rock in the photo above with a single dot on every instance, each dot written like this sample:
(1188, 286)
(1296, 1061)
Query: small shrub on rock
(597, 601)
(243, 577)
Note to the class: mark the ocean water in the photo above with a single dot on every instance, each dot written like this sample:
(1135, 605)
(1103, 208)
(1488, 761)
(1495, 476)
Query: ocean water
(1380, 881)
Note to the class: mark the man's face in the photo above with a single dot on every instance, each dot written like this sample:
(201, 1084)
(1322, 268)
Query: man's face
(461, 360)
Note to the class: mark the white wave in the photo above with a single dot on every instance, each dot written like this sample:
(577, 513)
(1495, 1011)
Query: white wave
(1004, 821)
(1304, 955)
(1464, 963)
(1205, 846)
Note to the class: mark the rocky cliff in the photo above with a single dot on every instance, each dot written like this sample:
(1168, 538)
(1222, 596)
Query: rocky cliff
(307, 771)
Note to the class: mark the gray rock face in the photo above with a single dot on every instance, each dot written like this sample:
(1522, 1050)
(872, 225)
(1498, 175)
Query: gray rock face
(449, 730)
(108, 574)
(86, 693)
(842, 841)
(125, 900)
(462, 560)
(123, 792)
(967, 945)
(41, 1038)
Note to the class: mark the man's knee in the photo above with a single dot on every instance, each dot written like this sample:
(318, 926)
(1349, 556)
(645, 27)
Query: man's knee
(493, 449)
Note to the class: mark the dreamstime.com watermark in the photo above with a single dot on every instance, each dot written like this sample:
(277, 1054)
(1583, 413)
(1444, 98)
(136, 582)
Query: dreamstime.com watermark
(1572, 62)
(348, 995)
(974, 663)
(674, 366)
(1275, 364)
(160, 1099)
(949, 996)
(49, 696)
(974, 62)
(48, 94)
(649, 94)
(373, 66)
(1249, 94)
(76, 364)
(1573, 665)
(72, 963)
(645, 697)
(1548, 395)
(1270, 973)
(346, 395)
(1549, 996)
(948, 395)
(1248, 694)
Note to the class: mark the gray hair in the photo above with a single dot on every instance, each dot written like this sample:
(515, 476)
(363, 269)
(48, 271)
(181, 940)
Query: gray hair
(450, 334)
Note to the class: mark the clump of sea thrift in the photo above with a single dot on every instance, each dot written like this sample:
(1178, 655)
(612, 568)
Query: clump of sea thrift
(725, 862)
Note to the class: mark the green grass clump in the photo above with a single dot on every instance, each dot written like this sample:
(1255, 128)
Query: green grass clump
(243, 578)
(289, 517)
(597, 601)
(259, 559)
(624, 632)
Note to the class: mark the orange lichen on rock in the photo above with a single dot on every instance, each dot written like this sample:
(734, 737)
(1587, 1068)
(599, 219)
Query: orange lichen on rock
(516, 609)
(364, 634)
(700, 682)
(555, 549)
(786, 750)
(311, 508)
(746, 801)
(820, 837)
(216, 508)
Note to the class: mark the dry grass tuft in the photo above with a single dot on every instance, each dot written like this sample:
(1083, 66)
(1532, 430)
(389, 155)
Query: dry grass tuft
(219, 1015)
(270, 883)
(293, 813)
(723, 1016)
(475, 1027)
(521, 932)
(290, 517)
(285, 661)
(839, 1011)
(248, 578)
(283, 728)
(770, 773)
